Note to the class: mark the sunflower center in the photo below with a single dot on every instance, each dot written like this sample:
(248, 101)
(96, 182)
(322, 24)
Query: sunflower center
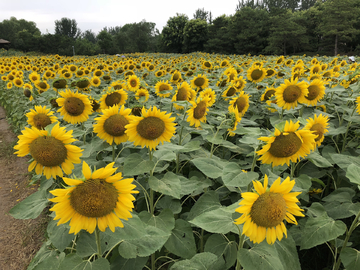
(291, 93)
(176, 76)
(269, 94)
(41, 120)
(240, 104)
(48, 151)
(270, 72)
(268, 210)
(42, 85)
(231, 91)
(256, 74)
(199, 81)
(133, 83)
(74, 106)
(182, 94)
(113, 99)
(27, 93)
(319, 130)
(94, 198)
(285, 145)
(164, 87)
(115, 125)
(151, 128)
(207, 64)
(200, 110)
(83, 83)
(314, 91)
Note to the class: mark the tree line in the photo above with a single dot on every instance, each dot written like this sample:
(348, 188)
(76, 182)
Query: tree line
(257, 27)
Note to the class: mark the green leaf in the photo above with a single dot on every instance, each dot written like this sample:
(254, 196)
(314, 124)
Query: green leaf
(207, 202)
(208, 166)
(343, 161)
(194, 183)
(86, 244)
(46, 259)
(59, 235)
(353, 172)
(31, 207)
(280, 256)
(217, 221)
(350, 258)
(165, 221)
(233, 176)
(201, 261)
(75, 262)
(166, 155)
(318, 160)
(168, 185)
(135, 165)
(121, 263)
(169, 202)
(94, 146)
(319, 230)
(218, 245)
(181, 241)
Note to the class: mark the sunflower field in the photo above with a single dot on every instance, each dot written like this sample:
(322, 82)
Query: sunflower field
(189, 161)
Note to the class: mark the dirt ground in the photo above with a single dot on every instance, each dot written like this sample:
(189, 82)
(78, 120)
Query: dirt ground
(19, 239)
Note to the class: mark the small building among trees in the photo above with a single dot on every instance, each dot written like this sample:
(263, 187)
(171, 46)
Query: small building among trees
(4, 43)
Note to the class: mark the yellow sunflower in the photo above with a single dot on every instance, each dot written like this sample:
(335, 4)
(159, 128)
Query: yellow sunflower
(142, 95)
(40, 117)
(256, 74)
(264, 210)
(235, 118)
(290, 93)
(230, 91)
(34, 76)
(113, 97)
(42, 86)
(101, 198)
(240, 103)
(182, 93)
(163, 88)
(198, 111)
(51, 151)
(288, 145)
(110, 126)
(269, 92)
(316, 90)
(176, 77)
(95, 81)
(208, 92)
(133, 83)
(318, 125)
(18, 82)
(199, 82)
(75, 107)
(151, 128)
(239, 83)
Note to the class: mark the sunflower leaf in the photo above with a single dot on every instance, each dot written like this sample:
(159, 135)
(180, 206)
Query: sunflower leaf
(210, 167)
(220, 246)
(121, 263)
(201, 261)
(168, 185)
(353, 172)
(350, 258)
(135, 165)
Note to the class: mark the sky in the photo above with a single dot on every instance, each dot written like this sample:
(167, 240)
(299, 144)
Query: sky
(95, 14)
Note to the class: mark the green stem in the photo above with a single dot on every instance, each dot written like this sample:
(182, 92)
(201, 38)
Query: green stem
(98, 243)
(347, 131)
(292, 169)
(178, 154)
(113, 152)
(301, 111)
(240, 246)
(348, 233)
(202, 241)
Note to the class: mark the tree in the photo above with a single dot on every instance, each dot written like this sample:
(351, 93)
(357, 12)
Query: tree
(195, 35)
(338, 20)
(9, 29)
(67, 27)
(201, 14)
(173, 33)
(249, 30)
(89, 35)
(106, 43)
(218, 40)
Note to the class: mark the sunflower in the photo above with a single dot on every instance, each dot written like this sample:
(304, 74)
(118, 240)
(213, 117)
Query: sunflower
(42, 86)
(315, 69)
(230, 91)
(152, 128)
(198, 111)
(75, 107)
(133, 83)
(239, 83)
(113, 97)
(94, 104)
(51, 151)
(240, 103)
(101, 198)
(208, 92)
(200, 82)
(269, 92)
(318, 125)
(40, 117)
(264, 210)
(95, 81)
(182, 93)
(163, 86)
(288, 145)
(59, 84)
(316, 90)
(270, 72)
(34, 76)
(290, 93)
(18, 82)
(256, 74)
(235, 118)
(176, 77)
(142, 95)
(9, 85)
(231, 74)
(83, 84)
(110, 126)
(207, 65)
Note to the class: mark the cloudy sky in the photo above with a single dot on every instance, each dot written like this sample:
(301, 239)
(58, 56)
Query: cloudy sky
(96, 14)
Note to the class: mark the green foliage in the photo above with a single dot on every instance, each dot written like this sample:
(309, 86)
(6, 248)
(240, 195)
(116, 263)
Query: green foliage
(173, 33)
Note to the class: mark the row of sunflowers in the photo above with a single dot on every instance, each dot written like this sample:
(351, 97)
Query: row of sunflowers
(163, 161)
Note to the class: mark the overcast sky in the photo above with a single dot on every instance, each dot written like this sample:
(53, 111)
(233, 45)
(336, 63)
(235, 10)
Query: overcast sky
(96, 14)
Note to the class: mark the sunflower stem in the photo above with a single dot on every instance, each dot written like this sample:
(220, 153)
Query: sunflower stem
(301, 111)
(347, 131)
(113, 152)
(178, 154)
(240, 246)
(348, 233)
(98, 243)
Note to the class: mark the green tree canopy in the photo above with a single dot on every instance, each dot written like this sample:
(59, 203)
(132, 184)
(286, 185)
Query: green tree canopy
(195, 35)
(173, 33)
(67, 27)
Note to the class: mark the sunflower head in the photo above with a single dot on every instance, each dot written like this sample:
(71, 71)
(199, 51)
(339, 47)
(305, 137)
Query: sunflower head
(59, 83)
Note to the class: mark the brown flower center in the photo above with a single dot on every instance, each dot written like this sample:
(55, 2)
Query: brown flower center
(200, 110)
(314, 91)
(319, 130)
(269, 210)
(269, 94)
(291, 93)
(113, 99)
(41, 120)
(199, 82)
(256, 74)
(115, 125)
(74, 106)
(240, 104)
(48, 151)
(151, 128)
(285, 145)
(231, 91)
(94, 198)
(182, 94)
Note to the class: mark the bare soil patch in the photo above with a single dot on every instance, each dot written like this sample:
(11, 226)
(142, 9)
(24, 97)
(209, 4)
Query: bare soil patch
(19, 239)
